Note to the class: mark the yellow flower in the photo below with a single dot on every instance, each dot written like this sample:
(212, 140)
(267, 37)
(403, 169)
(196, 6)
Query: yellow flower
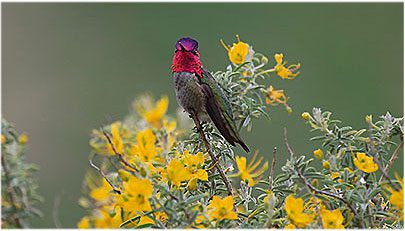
(3, 139)
(84, 223)
(285, 72)
(239, 52)
(332, 219)
(161, 216)
(318, 154)
(199, 222)
(335, 175)
(194, 166)
(365, 163)
(145, 147)
(397, 197)
(305, 115)
(145, 220)
(326, 164)
(176, 172)
(295, 212)
(115, 137)
(290, 226)
(170, 128)
(219, 209)
(136, 193)
(108, 217)
(101, 193)
(153, 114)
(275, 97)
(250, 172)
(23, 138)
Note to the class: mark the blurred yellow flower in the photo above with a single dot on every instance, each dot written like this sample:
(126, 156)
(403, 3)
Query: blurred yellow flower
(199, 222)
(305, 115)
(397, 197)
(152, 113)
(145, 220)
(102, 193)
(334, 175)
(285, 72)
(145, 147)
(136, 194)
(295, 212)
(365, 163)
(250, 172)
(239, 52)
(275, 97)
(84, 223)
(318, 153)
(3, 139)
(108, 217)
(170, 128)
(326, 164)
(290, 226)
(194, 165)
(332, 219)
(23, 138)
(176, 172)
(115, 138)
(219, 209)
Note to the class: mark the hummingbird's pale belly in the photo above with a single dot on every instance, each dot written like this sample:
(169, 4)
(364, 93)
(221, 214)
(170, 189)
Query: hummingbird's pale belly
(189, 94)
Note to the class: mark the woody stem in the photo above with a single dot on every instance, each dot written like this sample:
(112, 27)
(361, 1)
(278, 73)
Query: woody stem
(213, 157)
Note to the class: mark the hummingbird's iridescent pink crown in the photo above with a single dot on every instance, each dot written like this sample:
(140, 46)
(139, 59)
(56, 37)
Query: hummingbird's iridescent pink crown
(187, 43)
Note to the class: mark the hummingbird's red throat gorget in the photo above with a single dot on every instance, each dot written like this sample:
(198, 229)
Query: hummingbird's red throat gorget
(184, 61)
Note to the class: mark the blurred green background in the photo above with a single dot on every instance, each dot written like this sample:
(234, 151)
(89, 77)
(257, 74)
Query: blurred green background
(68, 68)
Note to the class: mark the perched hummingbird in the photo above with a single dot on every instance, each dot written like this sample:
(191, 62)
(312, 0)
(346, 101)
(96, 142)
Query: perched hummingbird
(198, 92)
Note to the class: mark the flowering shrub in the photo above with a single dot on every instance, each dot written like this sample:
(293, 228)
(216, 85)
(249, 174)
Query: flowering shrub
(153, 170)
(19, 188)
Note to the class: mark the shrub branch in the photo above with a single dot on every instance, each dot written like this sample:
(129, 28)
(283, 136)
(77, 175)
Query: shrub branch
(213, 157)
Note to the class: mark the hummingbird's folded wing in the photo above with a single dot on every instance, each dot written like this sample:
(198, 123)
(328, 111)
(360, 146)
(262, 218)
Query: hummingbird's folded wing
(219, 109)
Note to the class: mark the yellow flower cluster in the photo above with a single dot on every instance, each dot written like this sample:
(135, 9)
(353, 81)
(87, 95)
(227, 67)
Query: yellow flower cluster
(143, 151)
(187, 167)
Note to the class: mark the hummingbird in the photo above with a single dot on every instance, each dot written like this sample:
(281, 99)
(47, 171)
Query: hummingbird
(198, 93)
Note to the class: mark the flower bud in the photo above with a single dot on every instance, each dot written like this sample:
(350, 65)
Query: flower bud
(314, 182)
(23, 138)
(326, 164)
(192, 184)
(318, 154)
(289, 109)
(264, 60)
(306, 116)
(369, 118)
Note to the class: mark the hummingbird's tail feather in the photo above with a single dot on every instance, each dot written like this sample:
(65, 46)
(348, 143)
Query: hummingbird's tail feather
(244, 146)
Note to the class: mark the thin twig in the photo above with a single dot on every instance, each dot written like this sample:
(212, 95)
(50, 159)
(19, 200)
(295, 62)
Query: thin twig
(376, 159)
(116, 190)
(289, 149)
(273, 165)
(120, 156)
(213, 157)
(312, 188)
(392, 160)
(318, 191)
